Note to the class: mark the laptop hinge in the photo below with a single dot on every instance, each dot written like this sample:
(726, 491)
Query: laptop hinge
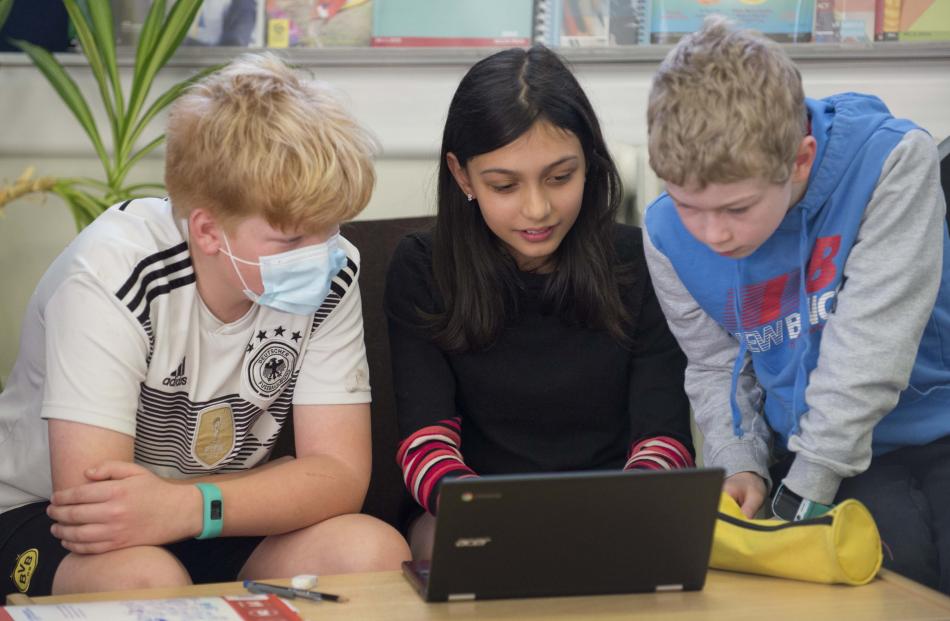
(669, 587)
(461, 597)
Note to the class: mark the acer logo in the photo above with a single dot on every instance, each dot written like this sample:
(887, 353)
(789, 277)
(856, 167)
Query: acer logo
(472, 542)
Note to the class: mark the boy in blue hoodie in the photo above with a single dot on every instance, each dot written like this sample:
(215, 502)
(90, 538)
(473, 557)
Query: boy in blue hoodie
(799, 254)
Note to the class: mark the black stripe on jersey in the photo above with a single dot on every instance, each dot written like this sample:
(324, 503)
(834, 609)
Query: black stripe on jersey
(340, 284)
(147, 326)
(348, 272)
(151, 276)
(125, 204)
(328, 306)
(161, 289)
(165, 430)
(144, 263)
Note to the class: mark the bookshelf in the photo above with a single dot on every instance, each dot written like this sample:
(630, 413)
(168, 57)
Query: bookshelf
(382, 57)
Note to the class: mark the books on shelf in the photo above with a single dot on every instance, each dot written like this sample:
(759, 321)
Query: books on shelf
(555, 23)
(452, 23)
(319, 23)
(238, 23)
(630, 22)
(845, 21)
(582, 23)
(887, 20)
(826, 30)
(787, 21)
(855, 20)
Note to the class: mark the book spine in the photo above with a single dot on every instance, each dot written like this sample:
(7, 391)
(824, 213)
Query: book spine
(887, 20)
(825, 27)
(547, 22)
(544, 26)
(644, 13)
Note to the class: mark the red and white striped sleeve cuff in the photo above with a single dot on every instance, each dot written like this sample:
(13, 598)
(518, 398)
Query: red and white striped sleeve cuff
(659, 453)
(430, 455)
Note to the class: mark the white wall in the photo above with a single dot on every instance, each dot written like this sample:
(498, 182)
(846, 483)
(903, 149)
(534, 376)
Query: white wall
(404, 103)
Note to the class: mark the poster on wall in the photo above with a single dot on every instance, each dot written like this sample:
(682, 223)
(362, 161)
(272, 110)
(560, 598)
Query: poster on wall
(924, 20)
(452, 23)
(319, 23)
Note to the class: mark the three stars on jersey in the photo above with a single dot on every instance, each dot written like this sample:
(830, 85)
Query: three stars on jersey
(278, 332)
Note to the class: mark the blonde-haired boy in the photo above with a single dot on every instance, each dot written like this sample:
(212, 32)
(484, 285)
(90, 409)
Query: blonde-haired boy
(799, 254)
(167, 346)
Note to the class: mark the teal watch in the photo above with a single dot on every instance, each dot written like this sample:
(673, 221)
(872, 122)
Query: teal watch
(213, 510)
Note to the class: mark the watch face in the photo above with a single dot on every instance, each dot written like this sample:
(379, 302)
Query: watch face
(786, 503)
(216, 510)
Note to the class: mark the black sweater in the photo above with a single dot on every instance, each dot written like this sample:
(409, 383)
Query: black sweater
(547, 395)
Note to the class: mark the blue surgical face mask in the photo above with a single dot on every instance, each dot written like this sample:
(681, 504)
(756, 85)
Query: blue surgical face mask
(297, 281)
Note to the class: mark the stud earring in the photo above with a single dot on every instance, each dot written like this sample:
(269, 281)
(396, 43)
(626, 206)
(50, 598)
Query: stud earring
(469, 197)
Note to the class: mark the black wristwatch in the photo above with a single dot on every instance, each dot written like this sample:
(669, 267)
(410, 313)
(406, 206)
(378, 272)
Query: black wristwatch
(789, 506)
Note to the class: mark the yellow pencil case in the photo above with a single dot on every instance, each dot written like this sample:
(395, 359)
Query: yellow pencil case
(842, 546)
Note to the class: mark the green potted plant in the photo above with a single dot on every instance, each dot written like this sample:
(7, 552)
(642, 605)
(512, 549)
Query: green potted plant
(128, 115)
(5, 6)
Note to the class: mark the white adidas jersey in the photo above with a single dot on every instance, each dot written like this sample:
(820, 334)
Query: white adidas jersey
(117, 336)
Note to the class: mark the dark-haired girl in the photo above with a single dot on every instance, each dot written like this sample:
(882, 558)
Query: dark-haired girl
(525, 333)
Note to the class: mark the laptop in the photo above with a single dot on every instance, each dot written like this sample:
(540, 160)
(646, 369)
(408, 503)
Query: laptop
(576, 533)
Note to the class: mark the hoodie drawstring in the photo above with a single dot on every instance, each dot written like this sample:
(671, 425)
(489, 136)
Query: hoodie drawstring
(740, 357)
(800, 373)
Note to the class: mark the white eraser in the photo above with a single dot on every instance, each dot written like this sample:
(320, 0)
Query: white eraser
(303, 581)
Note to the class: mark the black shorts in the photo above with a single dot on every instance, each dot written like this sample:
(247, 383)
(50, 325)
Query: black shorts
(30, 554)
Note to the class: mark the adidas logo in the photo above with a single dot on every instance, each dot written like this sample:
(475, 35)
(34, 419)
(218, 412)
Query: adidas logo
(177, 377)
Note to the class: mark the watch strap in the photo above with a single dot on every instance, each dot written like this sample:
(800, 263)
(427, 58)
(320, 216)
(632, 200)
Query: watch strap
(212, 510)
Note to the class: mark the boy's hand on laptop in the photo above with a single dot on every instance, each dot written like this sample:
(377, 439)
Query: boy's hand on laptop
(123, 505)
(748, 490)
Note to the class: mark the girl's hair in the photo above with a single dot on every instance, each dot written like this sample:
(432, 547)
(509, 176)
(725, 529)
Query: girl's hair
(499, 99)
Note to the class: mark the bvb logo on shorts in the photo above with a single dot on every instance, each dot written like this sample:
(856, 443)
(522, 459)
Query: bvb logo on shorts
(271, 369)
(24, 567)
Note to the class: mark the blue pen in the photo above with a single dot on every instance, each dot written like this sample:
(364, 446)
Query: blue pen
(291, 593)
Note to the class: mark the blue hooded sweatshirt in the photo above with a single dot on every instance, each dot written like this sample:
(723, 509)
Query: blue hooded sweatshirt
(787, 288)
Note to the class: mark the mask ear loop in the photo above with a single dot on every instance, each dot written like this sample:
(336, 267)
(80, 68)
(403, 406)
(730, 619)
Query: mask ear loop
(247, 290)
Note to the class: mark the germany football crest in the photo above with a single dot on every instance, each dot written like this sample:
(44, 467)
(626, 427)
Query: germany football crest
(271, 368)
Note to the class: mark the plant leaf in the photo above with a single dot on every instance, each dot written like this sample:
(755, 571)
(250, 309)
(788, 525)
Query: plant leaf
(103, 30)
(5, 6)
(149, 35)
(91, 182)
(128, 164)
(179, 22)
(143, 186)
(161, 103)
(68, 92)
(172, 33)
(84, 207)
(97, 64)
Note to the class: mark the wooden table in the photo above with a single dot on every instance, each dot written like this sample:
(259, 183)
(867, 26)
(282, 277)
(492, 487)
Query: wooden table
(727, 596)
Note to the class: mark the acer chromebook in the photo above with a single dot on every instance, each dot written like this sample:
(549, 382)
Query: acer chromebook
(578, 533)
